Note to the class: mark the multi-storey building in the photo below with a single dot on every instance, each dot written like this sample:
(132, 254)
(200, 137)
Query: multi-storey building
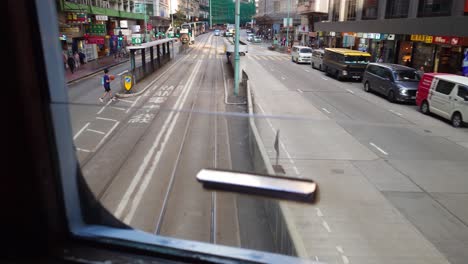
(272, 15)
(93, 26)
(428, 33)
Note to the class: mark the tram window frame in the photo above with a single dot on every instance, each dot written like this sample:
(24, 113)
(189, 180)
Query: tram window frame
(47, 209)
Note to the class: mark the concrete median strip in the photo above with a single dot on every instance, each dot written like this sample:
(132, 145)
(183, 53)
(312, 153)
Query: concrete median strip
(262, 164)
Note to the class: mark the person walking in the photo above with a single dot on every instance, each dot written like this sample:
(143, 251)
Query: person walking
(71, 63)
(106, 80)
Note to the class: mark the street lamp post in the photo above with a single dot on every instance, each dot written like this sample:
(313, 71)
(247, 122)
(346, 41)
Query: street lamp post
(211, 18)
(236, 49)
(287, 23)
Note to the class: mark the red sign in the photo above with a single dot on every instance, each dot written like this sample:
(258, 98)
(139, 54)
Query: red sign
(466, 6)
(446, 40)
(149, 27)
(95, 40)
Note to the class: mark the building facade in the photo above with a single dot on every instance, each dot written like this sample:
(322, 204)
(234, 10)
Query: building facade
(98, 27)
(432, 34)
(271, 18)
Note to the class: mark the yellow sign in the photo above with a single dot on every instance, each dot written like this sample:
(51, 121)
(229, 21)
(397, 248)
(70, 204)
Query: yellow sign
(422, 38)
(428, 39)
(128, 82)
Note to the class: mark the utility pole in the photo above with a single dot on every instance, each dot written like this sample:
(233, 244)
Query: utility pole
(236, 49)
(146, 33)
(287, 29)
(211, 17)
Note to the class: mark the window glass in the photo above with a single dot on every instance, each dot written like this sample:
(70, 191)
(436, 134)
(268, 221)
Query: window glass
(370, 9)
(397, 8)
(306, 51)
(444, 87)
(356, 59)
(462, 91)
(428, 8)
(406, 76)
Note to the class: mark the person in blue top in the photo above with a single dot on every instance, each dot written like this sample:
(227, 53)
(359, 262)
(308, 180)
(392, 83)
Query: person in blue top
(106, 80)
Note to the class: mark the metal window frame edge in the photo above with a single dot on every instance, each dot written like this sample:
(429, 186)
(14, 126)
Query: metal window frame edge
(47, 20)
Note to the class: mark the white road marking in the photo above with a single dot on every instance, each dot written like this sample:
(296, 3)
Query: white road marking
(118, 108)
(378, 148)
(84, 150)
(107, 119)
(299, 90)
(81, 130)
(345, 259)
(316, 258)
(124, 100)
(282, 77)
(340, 249)
(168, 125)
(133, 104)
(319, 212)
(306, 70)
(325, 110)
(122, 72)
(96, 131)
(396, 113)
(350, 91)
(325, 78)
(105, 136)
(326, 226)
(104, 107)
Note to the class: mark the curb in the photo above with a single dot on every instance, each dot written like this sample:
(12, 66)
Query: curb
(96, 71)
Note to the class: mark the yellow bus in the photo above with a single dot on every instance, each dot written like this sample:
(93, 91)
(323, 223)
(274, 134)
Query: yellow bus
(345, 63)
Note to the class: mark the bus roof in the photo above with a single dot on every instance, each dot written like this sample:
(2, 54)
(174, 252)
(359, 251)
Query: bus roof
(349, 52)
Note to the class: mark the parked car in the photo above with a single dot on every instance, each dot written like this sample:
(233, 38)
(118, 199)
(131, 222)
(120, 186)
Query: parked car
(345, 63)
(445, 95)
(257, 39)
(396, 82)
(301, 54)
(317, 59)
(216, 32)
(250, 37)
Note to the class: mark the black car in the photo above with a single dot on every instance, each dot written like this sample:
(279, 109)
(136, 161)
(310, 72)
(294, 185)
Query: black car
(397, 82)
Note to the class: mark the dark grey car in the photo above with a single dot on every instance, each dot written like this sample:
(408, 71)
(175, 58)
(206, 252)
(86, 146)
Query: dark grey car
(397, 82)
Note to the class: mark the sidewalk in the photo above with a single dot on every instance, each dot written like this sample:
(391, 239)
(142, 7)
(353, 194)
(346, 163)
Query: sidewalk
(92, 67)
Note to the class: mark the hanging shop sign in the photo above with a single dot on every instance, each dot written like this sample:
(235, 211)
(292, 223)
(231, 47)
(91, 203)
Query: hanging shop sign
(96, 29)
(77, 18)
(391, 37)
(101, 18)
(95, 40)
(422, 38)
(446, 40)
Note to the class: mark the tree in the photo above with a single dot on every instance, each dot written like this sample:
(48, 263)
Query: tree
(179, 18)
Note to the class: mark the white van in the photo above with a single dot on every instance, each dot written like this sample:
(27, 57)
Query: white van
(317, 59)
(301, 54)
(446, 95)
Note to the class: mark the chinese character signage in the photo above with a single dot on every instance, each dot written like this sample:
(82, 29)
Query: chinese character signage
(446, 40)
(77, 18)
(96, 29)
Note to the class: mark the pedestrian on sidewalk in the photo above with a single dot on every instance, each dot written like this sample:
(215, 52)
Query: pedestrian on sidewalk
(106, 80)
(227, 56)
(71, 63)
(77, 59)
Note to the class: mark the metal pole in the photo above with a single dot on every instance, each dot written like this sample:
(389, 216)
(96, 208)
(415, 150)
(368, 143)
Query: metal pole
(146, 33)
(236, 50)
(287, 23)
(211, 18)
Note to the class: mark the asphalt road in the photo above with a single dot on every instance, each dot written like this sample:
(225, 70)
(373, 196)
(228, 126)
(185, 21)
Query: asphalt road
(375, 162)
(140, 155)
